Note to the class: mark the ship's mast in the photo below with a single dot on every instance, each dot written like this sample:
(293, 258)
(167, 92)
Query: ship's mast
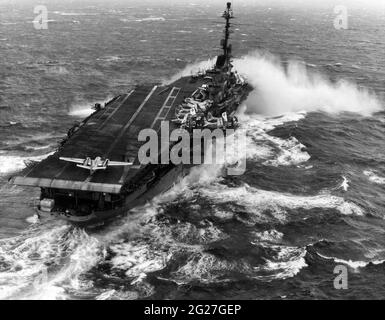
(228, 14)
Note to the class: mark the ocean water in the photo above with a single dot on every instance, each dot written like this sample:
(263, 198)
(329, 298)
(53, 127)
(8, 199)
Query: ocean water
(313, 194)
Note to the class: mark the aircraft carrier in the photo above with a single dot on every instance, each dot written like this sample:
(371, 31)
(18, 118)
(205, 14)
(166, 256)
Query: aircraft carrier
(95, 173)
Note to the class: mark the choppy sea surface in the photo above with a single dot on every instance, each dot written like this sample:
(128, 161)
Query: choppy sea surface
(313, 194)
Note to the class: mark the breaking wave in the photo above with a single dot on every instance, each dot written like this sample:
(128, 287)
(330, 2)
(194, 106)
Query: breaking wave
(352, 264)
(285, 263)
(280, 90)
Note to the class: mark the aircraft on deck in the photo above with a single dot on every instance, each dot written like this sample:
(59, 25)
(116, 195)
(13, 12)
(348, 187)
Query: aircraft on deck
(96, 164)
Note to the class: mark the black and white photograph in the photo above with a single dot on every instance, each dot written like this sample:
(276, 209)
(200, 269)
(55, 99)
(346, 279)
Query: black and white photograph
(169, 151)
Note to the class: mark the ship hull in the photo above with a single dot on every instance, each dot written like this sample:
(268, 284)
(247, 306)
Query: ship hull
(138, 198)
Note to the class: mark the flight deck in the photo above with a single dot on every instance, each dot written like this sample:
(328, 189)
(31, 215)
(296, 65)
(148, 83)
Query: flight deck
(110, 133)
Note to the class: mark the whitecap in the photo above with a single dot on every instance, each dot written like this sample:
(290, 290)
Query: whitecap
(137, 259)
(74, 13)
(352, 264)
(374, 177)
(291, 152)
(109, 58)
(268, 236)
(207, 268)
(259, 202)
(151, 19)
(37, 148)
(286, 263)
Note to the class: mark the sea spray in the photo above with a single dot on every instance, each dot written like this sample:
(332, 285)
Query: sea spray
(279, 90)
(10, 163)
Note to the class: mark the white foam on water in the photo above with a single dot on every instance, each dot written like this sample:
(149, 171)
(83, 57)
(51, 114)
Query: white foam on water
(154, 243)
(109, 58)
(269, 205)
(259, 146)
(223, 215)
(147, 19)
(268, 236)
(10, 164)
(152, 18)
(118, 295)
(355, 265)
(143, 243)
(276, 151)
(374, 177)
(266, 123)
(37, 148)
(207, 268)
(74, 13)
(291, 152)
(45, 263)
(285, 263)
(106, 295)
(137, 259)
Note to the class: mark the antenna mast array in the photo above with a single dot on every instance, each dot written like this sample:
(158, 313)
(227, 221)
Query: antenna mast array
(228, 14)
